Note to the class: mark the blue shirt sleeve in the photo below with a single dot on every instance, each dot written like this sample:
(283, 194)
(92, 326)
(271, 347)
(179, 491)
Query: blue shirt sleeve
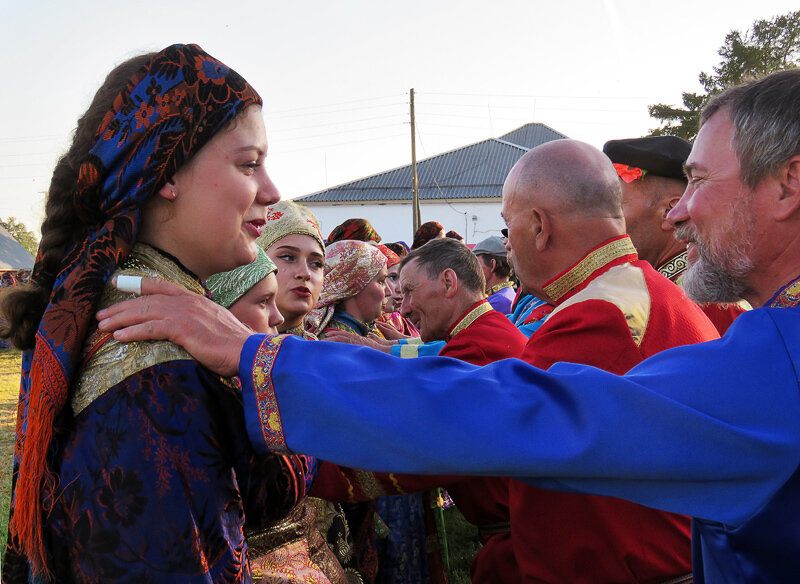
(706, 430)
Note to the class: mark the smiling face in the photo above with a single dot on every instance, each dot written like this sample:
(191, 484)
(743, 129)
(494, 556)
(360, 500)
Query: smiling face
(301, 266)
(257, 309)
(424, 302)
(715, 217)
(212, 211)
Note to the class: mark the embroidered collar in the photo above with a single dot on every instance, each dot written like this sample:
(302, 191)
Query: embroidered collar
(788, 296)
(471, 316)
(673, 268)
(363, 329)
(498, 287)
(612, 252)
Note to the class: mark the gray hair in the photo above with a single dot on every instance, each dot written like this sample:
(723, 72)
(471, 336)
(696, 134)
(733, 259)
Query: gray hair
(438, 255)
(766, 122)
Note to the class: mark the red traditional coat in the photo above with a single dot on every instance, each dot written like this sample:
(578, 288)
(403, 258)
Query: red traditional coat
(480, 336)
(612, 311)
(721, 315)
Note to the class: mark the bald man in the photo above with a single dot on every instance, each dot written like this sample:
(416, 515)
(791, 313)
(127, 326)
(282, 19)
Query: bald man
(563, 205)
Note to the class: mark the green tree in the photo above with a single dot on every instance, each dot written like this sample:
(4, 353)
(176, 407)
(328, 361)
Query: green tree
(19, 232)
(769, 45)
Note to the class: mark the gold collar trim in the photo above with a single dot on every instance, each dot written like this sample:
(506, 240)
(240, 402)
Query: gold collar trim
(673, 268)
(595, 260)
(110, 361)
(471, 317)
(498, 287)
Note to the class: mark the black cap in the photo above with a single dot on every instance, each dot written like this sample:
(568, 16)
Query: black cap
(658, 155)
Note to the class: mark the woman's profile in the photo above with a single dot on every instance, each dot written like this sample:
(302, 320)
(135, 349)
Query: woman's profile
(131, 460)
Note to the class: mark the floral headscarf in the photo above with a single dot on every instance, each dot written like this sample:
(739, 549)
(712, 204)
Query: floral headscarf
(288, 218)
(426, 232)
(227, 287)
(391, 257)
(349, 267)
(357, 229)
(167, 112)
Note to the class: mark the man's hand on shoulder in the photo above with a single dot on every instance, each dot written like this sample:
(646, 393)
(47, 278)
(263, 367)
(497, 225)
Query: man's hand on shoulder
(165, 311)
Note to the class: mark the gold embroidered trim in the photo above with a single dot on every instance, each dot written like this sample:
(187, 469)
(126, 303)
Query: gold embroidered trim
(587, 266)
(409, 351)
(498, 287)
(369, 484)
(471, 317)
(625, 287)
(115, 361)
(673, 268)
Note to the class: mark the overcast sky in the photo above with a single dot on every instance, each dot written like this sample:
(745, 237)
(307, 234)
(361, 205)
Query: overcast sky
(335, 75)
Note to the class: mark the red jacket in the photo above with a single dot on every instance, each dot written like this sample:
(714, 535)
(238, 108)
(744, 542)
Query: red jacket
(612, 311)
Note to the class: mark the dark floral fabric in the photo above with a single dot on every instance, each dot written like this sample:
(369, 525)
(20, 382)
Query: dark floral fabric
(171, 108)
(358, 229)
(157, 479)
(426, 232)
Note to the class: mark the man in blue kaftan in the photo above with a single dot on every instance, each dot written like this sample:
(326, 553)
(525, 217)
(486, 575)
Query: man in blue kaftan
(708, 430)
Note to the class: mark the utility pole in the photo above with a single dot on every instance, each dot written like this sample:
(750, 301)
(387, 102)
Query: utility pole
(414, 177)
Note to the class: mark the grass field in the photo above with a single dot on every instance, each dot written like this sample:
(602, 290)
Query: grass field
(9, 391)
(461, 536)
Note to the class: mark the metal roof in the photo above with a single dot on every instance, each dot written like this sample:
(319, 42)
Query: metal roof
(476, 171)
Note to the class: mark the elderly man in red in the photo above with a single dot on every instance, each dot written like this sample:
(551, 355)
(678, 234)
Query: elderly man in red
(443, 295)
(612, 310)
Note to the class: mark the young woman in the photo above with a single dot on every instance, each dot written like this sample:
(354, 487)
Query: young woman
(131, 460)
(354, 290)
(292, 239)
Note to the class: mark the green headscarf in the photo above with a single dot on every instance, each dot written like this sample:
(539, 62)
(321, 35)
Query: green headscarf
(228, 287)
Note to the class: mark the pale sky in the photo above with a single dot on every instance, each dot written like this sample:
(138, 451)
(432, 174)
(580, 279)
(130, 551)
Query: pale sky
(335, 75)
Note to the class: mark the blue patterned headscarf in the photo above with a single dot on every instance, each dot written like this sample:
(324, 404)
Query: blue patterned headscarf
(167, 112)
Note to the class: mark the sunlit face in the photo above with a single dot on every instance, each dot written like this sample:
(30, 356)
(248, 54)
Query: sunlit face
(220, 199)
(396, 296)
(641, 219)
(257, 308)
(368, 304)
(301, 267)
(715, 217)
(423, 302)
(520, 236)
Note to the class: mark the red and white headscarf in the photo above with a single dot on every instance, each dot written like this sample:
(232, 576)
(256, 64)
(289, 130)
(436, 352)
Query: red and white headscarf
(349, 266)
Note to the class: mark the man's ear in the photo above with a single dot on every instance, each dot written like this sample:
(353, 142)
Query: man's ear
(788, 201)
(449, 281)
(664, 209)
(541, 226)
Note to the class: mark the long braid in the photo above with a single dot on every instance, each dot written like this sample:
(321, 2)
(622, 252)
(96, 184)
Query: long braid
(23, 306)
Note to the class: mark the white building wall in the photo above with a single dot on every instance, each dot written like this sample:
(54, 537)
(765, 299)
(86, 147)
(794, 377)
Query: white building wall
(474, 221)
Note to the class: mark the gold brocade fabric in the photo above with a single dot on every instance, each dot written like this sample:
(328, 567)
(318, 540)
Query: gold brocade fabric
(113, 361)
(293, 551)
(587, 266)
(470, 317)
(498, 287)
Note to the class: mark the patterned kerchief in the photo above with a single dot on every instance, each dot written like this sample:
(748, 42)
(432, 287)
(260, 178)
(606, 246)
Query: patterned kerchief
(359, 229)
(227, 287)
(426, 232)
(288, 218)
(349, 267)
(171, 108)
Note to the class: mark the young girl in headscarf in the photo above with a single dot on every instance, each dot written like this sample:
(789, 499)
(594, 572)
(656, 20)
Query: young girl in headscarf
(131, 460)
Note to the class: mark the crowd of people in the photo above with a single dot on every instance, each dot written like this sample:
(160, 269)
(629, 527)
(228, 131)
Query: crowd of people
(212, 391)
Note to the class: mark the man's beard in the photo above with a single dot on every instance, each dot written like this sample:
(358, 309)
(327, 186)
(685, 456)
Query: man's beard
(718, 275)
